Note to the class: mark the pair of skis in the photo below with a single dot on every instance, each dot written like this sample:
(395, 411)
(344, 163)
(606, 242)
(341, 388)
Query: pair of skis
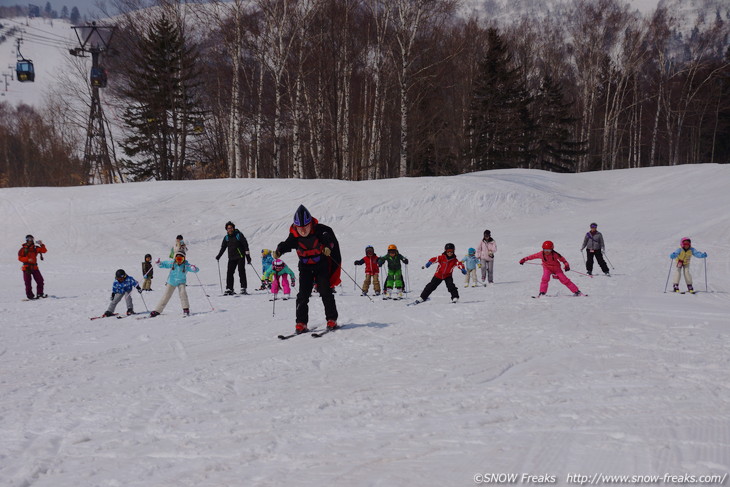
(310, 332)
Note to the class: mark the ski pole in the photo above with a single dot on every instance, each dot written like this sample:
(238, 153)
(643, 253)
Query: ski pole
(273, 307)
(408, 279)
(668, 274)
(143, 302)
(219, 275)
(348, 275)
(585, 262)
(705, 259)
(355, 284)
(609, 260)
(582, 274)
(206, 294)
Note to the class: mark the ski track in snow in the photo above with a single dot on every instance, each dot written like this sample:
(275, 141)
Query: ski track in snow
(630, 380)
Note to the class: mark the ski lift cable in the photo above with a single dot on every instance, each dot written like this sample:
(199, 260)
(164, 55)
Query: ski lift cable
(36, 28)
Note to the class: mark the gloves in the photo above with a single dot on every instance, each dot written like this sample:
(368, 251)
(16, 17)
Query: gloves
(522, 261)
(463, 271)
(139, 289)
(39, 242)
(194, 268)
(704, 255)
(276, 254)
(428, 264)
(327, 251)
(293, 282)
(491, 255)
(248, 259)
(112, 298)
(405, 261)
(357, 262)
(157, 261)
(567, 268)
(217, 257)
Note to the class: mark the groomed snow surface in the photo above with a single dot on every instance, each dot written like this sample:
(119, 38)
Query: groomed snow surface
(627, 381)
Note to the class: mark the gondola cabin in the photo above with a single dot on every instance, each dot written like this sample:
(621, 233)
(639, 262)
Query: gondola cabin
(24, 70)
(98, 77)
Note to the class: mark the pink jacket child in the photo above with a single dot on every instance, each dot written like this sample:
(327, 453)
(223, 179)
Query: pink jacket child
(279, 273)
(551, 267)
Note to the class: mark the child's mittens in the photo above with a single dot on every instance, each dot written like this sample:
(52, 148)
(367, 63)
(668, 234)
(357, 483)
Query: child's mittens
(522, 261)
(567, 268)
(405, 261)
(293, 282)
(139, 289)
(703, 255)
(157, 261)
(463, 271)
(428, 264)
(194, 268)
(112, 298)
(357, 262)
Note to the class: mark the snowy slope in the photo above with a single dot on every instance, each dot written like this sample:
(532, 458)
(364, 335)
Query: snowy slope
(629, 380)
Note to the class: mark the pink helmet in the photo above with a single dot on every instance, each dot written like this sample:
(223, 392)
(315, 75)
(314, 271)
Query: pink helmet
(685, 239)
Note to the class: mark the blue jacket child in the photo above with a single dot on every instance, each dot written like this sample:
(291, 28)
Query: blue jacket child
(122, 288)
(177, 278)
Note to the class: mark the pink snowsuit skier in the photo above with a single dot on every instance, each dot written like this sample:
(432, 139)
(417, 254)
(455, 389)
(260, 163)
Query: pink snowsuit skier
(551, 267)
(278, 273)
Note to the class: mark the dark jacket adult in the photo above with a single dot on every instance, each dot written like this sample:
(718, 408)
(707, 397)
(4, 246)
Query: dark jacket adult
(310, 248)
(237, 246)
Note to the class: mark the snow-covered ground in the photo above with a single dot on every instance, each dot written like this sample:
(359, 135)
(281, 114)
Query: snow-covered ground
(626, 381)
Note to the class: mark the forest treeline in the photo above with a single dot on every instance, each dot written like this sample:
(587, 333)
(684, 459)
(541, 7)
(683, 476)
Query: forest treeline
(368, 89)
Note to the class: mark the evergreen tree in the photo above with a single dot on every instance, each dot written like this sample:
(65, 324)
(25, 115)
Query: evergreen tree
(499, 118)
(75, 15)
(162, 106)
(64, 12)
(553, 146)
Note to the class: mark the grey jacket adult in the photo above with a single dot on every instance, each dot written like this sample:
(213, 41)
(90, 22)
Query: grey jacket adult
(593, 241)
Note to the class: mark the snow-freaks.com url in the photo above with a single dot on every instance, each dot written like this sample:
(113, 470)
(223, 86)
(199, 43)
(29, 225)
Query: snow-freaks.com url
(603, 479)
(599, 479)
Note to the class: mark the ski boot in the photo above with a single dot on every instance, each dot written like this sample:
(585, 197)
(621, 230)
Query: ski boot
(243, 291)
(286, 296)
(301, 328)
(107, 314)
(676, 288)
(186, 312)
(578, 293)
(454, 300)
(332, 325)
(229, 292)
(154, 313)
(690, 289)
(130, 312)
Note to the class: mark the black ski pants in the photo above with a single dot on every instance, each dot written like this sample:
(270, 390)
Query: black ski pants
(599, 257)
(232, 265)
(436, 282)
(308, 275)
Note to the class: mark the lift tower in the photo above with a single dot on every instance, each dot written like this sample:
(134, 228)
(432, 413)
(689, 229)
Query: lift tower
(99, 160)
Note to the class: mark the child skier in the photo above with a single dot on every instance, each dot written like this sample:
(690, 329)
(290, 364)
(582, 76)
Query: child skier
(485, 251)
(683, 255)
(266, 260)
(176, 279)
(179, 246)
(28, 254)
(551, 267)
(470, 262)
(277, 273)
(394, 282)
(122, 288)
(446, 264)
(593, 243)
(147, 273)
(372, 271)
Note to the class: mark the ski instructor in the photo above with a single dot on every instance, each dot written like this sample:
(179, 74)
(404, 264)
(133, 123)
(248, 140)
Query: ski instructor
(238, 256)
(319, 263)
